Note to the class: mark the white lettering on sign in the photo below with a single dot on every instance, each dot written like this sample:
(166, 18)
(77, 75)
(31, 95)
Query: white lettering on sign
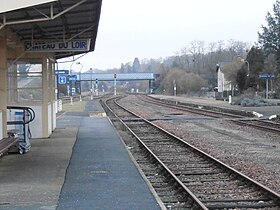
(48, 46)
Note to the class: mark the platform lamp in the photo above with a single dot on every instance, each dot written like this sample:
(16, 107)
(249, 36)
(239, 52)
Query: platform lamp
(91, 85)
(71, 72)
(80, 74)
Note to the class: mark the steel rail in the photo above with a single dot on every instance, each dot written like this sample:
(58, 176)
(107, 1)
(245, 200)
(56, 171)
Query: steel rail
(242, 176)
(191, 109)
(195, 199)
(212, 113)
(252, 124)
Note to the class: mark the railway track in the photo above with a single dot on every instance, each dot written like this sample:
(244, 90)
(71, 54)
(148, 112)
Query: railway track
(185, 177)
(188, 108)
(260, 124)
(239, 119)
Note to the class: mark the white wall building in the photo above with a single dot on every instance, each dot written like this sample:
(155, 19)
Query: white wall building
(223, 84)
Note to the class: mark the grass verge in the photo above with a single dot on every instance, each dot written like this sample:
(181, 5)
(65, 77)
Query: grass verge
(78, 106)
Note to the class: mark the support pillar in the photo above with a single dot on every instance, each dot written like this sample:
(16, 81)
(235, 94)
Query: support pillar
(3, 87)
(150, 86)
(46, 105)
(53, 100)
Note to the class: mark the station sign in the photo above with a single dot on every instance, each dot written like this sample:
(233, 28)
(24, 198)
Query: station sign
(266, 76)
(80, 45)
(61, 71)
(62, 80)
(72, 78)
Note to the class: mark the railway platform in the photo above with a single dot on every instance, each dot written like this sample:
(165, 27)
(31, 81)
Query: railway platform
(83, 165)
(265, 111)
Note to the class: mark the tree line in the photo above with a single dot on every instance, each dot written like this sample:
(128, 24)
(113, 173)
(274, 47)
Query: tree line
(194, 65)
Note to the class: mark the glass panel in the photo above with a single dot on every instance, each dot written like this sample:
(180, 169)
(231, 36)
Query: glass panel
(25, 81)
(29, 82)
(30, 94)
(29, 68)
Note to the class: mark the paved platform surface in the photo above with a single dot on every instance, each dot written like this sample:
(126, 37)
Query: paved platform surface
(266, 111)
(100, 173)
(33, 180)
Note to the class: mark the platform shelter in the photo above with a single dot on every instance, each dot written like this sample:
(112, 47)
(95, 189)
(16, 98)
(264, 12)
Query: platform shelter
(33, 35)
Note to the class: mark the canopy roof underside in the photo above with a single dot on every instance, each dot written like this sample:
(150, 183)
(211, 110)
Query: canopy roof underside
(61, 20)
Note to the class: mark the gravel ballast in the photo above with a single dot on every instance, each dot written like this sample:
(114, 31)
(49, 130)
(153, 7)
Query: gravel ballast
(254, 152)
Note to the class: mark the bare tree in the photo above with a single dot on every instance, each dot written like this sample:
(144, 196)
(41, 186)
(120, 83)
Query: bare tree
(185, 82)
(231, 69)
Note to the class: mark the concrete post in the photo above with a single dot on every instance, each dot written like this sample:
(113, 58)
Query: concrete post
(3, 87)
(115, 86)
(266, 91)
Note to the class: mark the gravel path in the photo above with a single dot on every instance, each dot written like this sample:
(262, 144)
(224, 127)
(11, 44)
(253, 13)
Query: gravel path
(254, 152)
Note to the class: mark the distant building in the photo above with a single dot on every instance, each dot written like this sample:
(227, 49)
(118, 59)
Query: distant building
(223, 84)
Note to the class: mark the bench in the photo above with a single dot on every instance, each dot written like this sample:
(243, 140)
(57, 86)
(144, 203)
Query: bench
(6, 144)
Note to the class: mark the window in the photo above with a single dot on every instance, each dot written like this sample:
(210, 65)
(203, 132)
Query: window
(25, 81)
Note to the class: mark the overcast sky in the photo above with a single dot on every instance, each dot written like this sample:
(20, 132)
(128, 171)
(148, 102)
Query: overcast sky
(159, 28)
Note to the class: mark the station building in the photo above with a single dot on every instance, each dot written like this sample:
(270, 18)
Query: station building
(33, 35)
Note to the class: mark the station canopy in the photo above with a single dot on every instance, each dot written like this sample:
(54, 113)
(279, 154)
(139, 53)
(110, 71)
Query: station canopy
(52, 21)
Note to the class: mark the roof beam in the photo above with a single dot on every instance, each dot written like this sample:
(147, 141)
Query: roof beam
(46, 18)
